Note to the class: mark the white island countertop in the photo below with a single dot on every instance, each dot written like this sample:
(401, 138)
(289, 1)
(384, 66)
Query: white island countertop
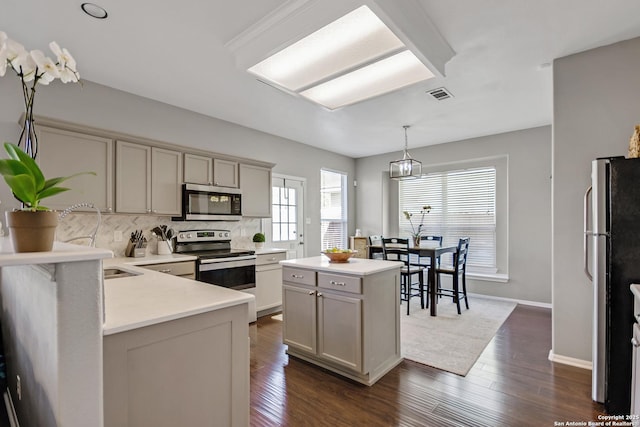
(355, 266)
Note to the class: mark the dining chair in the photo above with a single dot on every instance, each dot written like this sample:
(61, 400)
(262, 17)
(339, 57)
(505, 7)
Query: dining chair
(396, 249)
(375, 240)
(458, 275)
(430, 240)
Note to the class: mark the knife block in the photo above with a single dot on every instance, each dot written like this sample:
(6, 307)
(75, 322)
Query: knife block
(134, 252)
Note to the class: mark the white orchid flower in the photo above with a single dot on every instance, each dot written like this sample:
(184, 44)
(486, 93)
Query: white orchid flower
(66, 64)
(47, 69)
(24, 65)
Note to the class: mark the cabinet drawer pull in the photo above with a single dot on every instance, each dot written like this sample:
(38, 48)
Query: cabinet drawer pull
(635, 342)
(166, 270)
(311, 292)
(333, 282)
(297, 276)
(319, 294)
(272, 259)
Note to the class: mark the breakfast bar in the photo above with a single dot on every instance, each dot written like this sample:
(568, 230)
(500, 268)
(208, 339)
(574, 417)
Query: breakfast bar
(344, 317)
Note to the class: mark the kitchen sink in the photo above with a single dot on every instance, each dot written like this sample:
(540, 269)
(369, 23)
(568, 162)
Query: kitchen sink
(116, 273)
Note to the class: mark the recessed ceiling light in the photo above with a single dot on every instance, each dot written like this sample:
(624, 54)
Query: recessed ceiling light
(349, 60)
(94, 10)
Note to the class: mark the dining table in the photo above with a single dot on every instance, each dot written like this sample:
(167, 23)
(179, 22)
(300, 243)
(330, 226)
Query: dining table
(431, 252)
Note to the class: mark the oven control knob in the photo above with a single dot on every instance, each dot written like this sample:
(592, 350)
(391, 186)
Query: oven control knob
(181, 236)
(189, 236)
(226, 234)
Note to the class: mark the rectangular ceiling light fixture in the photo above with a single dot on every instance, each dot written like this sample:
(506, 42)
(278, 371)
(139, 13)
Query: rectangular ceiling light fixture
(349, 60)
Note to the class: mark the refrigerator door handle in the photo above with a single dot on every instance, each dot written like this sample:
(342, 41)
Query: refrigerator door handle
(587, 233)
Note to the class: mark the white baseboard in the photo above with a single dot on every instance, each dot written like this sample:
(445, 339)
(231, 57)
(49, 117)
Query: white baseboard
(11, 411)
(565, 360)
(517, 301)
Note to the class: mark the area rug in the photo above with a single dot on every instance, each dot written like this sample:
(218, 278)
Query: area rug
(449, 341)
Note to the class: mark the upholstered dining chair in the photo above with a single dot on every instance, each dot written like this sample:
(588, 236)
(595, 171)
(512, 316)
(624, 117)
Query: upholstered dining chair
(458, 275)
(396, 249)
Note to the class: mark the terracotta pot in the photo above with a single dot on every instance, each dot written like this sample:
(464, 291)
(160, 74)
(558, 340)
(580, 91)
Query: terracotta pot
(32, 231)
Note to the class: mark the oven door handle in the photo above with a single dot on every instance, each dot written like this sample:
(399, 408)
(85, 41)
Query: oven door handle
(218, 265)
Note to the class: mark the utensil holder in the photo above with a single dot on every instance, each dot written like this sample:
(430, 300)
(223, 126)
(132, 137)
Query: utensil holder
(164, 247)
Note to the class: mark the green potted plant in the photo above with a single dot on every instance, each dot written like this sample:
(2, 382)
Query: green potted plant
(258, 240)
(33, 227)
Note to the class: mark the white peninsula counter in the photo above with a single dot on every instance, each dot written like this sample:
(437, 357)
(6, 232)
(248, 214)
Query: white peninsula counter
(82, 350)
(344, 317)
(52, 331)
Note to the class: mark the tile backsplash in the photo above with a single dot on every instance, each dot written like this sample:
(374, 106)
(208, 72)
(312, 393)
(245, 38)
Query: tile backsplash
(82, 224)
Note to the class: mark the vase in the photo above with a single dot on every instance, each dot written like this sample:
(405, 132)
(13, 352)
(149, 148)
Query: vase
(416, 241)
(258, 245)
(28, 140)
(32, 231)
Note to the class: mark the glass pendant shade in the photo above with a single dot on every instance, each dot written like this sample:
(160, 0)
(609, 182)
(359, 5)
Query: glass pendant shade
(407, 167)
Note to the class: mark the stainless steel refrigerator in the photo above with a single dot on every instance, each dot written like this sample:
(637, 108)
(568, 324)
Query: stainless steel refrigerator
(612, 261)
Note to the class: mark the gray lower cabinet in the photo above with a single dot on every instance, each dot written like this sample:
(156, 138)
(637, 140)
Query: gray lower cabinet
(148, 179)
(345, 323)
(192, 371)
(186, 269)
(64, 153)
(269, 282)
(255, 183)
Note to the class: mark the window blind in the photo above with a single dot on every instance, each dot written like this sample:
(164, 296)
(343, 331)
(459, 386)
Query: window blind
(463, 203)
(333, 212)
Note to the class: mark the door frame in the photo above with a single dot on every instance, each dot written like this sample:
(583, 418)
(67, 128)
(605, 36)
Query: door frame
(266, 222)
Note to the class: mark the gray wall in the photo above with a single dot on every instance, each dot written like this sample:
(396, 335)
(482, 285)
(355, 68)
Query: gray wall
(105, 108)
(596, 106)
(529, 204)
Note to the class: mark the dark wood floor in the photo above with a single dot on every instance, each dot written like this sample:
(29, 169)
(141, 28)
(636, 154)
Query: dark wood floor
(512, 384)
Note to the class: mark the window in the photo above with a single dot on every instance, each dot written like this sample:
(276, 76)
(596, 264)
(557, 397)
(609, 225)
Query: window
(333, 209)
(284, 212)
(463, 203)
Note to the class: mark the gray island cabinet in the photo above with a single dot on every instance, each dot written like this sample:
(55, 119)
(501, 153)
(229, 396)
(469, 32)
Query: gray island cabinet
(344, 317)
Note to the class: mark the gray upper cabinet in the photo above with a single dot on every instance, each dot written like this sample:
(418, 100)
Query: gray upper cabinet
(63, 153)
(255, 183)
(225, 173)
(210, 171)
(198, 169)
(148, 179)
(133, 178)
(166, 179)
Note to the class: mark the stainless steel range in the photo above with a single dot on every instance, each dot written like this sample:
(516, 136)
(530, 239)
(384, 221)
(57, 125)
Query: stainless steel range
(217, 263)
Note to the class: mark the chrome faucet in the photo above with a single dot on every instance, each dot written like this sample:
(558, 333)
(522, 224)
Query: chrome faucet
(92, 236)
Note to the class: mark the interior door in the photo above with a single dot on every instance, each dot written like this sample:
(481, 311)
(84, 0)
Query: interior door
(285, 229)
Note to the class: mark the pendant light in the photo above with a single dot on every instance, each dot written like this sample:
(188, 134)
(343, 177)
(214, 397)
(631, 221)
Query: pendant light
(406, 167)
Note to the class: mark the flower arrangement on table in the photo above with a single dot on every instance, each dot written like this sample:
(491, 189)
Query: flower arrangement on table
(416, 232)
(32, 68)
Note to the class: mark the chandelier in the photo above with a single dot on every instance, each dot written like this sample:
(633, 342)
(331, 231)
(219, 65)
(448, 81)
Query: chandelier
(407, 167)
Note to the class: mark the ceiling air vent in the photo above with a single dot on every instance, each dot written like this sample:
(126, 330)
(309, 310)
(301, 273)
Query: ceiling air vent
(440, 94)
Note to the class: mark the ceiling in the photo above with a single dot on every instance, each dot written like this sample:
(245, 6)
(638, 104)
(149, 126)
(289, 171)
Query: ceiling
(193, 54)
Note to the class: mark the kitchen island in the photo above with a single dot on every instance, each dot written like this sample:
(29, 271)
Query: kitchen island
(344, 317)
(82, 350)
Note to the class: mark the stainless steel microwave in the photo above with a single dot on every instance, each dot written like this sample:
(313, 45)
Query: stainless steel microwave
(209, 203)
